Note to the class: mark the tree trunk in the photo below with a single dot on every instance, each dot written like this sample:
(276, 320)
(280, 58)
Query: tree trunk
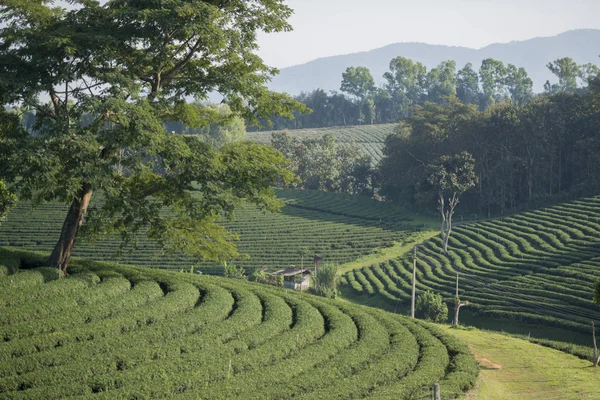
(61, 254)
(457, 306)
(441, 210)
(596, 357)
(448, 230)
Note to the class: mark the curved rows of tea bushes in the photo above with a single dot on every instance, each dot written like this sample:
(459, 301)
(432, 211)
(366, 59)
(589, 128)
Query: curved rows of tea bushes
(369, 138)
(109, 332)
(538, 266)
(337, 226)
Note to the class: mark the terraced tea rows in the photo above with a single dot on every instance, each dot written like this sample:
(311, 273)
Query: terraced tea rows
(125, 332)
(538, 267)
(370, 138)
(336, 226)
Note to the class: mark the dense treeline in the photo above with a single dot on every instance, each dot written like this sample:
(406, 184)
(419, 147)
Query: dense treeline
(525, 155)
(409, 84)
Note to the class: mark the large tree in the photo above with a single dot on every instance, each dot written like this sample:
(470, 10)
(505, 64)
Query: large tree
(103, 80)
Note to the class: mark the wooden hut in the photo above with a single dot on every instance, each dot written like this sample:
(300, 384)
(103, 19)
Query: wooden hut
(295, 278)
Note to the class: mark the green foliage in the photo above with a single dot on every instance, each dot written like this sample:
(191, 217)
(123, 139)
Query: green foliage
(261, 275)
(467, 85)
(159, 334)
(230, 270)
(597, 292)
(226, 128)
(492, 75)
(452, 175)
(323, 164)
(520, 151)
(441, 82)
(405, 83)
(431, 306)
(116, 72)
(326, 280)
(567, 71)
(358, 82)
(7, 200)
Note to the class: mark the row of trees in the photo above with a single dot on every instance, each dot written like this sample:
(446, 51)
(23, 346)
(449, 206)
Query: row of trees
(524, 156)
(504, 158)
(409, 83)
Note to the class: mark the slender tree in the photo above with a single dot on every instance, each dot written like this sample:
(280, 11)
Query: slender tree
(450, 177)
(492, 75)
(519, 85)
(103, 79)
(467, 85)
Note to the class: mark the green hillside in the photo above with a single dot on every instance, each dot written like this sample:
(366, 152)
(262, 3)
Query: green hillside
(370, 138)
(127, 332)
(338, 227)
(537, 268)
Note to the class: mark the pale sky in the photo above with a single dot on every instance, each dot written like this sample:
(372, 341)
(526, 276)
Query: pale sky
(331, 27)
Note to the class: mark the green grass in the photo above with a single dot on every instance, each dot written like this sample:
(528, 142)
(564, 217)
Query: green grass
(536, 269)
(114, 331)
(340, 228)
(369, 138)
(515, 369)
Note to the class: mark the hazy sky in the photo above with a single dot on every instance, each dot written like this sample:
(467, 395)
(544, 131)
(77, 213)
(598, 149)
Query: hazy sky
(331, 27)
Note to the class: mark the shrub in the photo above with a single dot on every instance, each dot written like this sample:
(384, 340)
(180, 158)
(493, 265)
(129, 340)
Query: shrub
(431, 307)
(326, 280)
(232, 271)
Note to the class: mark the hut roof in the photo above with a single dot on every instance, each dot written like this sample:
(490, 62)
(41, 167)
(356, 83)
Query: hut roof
(292, 271)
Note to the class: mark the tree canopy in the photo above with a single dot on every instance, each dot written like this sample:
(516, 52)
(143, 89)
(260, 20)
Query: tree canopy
(103, 79)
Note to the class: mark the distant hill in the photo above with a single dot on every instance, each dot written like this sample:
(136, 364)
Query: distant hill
(326, 73)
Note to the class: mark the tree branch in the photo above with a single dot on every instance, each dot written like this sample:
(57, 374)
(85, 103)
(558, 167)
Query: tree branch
(171, 73)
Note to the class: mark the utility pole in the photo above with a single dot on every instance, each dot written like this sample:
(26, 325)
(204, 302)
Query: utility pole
(414, 283)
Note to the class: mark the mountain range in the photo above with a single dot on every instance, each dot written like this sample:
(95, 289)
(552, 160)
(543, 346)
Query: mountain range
(582, 45)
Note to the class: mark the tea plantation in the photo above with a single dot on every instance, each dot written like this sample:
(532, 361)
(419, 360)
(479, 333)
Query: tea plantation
(537, 267)
(338, 227)
(369, 138)
(109, 331)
